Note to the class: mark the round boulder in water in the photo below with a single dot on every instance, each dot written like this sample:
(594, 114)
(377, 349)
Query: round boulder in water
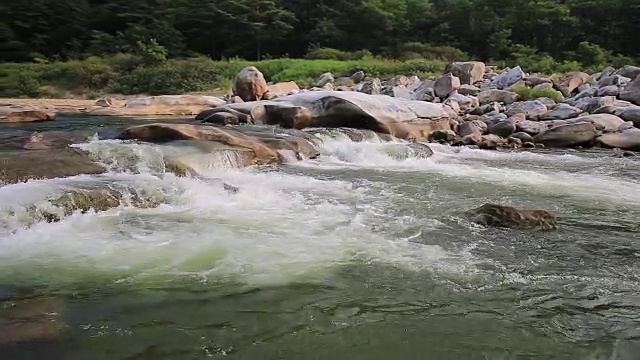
(511, 217)
(420, 150)
(503, 129)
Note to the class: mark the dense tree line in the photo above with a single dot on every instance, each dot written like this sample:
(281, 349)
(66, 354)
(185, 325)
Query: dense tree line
(258, 29)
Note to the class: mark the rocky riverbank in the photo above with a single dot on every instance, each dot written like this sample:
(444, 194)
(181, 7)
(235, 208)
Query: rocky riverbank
(472, 104)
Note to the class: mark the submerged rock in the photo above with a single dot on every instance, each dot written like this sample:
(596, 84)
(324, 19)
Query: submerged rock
(178, 168)
(511, 217)
(420, 150)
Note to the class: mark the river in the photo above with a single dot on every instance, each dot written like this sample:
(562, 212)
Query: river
(362, 253)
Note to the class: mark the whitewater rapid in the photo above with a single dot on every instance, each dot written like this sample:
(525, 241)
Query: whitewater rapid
(298, 222)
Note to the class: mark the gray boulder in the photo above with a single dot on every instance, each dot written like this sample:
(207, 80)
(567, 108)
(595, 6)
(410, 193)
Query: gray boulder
(445, 85)
(372, 87)
(503, 129)
(632, 91)
(324, 79)
(605, 122)
(591, 104)
(532, 109)
(496, 95)
(561, 112)
(531, 127)
(523, 136)
(358, 77)
(630, 113)
(626, 140)
(469, 128)
(568, 135)
(629, 71)
(609, 90)
(508, 78)
(469, 72)
(466, 89)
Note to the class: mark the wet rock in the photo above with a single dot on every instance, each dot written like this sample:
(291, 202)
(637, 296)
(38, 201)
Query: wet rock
(568, 135)
(222, 118)
(625, 140)
(471, 139)
(523, 136)
(178, 168)
(24, 116)
(443, 136)
(253, 147)
(491, 142)
(468, 128)
(445, 85)
(45, 164)
(570, 82)
(503, 129)
(529, 145)
(561, 112)
(468, 72)
(495, 95)
(420, 150)
(30, 321)
(511, 217)
(514, 143)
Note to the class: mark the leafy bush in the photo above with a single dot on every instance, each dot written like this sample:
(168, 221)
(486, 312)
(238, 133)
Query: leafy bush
(321, 53)
(527, 93)
(418, 50)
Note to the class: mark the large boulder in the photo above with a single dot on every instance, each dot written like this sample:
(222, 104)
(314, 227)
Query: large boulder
(407, 119)
(469, 72)
(511, 217)
(253, 148)
(627, 140)
(250, 85)
(531, 127)
(371, 87)
(591, 104)
(568, 135)
(503, 129)
(471, 127)
(324, 79)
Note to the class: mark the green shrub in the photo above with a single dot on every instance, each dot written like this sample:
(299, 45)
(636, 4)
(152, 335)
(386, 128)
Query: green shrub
(527, 93)
(321, 53)
(418, 50)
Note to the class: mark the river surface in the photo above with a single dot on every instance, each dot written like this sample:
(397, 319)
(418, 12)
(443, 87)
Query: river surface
(362, 253)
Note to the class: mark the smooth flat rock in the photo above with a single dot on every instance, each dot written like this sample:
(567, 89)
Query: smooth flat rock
(561, 112)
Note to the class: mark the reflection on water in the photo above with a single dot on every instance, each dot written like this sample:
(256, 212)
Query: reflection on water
(361, 253)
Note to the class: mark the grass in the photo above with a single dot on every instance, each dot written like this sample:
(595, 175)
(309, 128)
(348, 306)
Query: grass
(128, 74)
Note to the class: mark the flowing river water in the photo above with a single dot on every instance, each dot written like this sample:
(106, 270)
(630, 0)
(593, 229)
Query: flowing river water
(362, 253)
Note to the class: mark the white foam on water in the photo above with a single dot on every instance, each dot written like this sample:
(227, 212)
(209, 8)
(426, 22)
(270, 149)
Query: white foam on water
(277, 228)
(449, 162)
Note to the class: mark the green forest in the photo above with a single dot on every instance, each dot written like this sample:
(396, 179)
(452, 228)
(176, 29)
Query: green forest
(540, 35)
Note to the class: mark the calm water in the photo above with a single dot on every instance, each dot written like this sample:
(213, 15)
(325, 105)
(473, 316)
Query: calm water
(362, 253)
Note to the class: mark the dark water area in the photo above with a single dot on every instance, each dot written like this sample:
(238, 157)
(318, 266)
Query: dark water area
(363, 253)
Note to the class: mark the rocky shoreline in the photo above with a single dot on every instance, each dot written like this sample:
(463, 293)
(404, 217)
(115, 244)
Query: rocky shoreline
(471, 104)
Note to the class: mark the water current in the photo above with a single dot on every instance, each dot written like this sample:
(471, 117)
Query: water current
(362, 253)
